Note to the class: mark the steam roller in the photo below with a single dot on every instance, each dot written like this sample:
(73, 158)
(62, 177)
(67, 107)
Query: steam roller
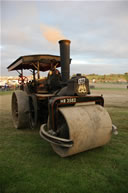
(81, 128)
(77, 121)
(69, 117)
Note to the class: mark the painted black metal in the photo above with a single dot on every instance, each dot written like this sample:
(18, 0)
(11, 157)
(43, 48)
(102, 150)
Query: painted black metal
(65, 101)
(65, 59)
(71, 89)
(53, 139)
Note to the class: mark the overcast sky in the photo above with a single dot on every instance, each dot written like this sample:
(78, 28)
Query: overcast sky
(98, 31)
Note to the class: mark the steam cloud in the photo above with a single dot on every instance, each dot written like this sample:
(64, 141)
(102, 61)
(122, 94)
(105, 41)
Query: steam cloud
(51, 34)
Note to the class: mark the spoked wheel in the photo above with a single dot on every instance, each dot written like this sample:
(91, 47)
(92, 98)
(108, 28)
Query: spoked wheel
(22, 80)
(20, 109)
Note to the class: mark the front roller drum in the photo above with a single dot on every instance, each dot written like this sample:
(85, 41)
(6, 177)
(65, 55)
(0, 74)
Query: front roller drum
(89, 126)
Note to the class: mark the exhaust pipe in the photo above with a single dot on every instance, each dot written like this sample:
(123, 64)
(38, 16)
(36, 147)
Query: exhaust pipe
(65, 59)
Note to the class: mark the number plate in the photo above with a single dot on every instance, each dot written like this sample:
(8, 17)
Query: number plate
(68, 100)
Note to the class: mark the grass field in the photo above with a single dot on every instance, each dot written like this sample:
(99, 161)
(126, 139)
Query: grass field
(5, 92)
(29, 165)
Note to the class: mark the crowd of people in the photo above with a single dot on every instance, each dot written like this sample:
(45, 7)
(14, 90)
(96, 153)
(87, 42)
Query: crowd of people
(7, 87)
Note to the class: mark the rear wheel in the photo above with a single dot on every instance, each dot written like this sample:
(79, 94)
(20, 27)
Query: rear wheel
(20, 109)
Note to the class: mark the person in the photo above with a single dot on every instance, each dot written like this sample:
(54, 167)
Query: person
(5, 87)
(54, 78)
(53, 71)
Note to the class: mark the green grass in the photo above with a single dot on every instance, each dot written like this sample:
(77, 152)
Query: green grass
(5, 92)
(109, 77)
(29, 165)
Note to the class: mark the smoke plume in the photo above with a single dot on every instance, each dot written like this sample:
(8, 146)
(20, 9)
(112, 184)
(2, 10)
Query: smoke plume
(51, 34)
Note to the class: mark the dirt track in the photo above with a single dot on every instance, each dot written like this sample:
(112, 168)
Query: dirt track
(117, 98)
(5, 103)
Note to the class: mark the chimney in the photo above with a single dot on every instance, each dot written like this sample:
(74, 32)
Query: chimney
(65, 59)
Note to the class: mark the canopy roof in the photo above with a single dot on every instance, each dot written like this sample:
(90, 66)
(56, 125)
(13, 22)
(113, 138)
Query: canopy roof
(34, 62)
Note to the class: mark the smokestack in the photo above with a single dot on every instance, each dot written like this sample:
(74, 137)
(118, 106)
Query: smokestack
(65, 59)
